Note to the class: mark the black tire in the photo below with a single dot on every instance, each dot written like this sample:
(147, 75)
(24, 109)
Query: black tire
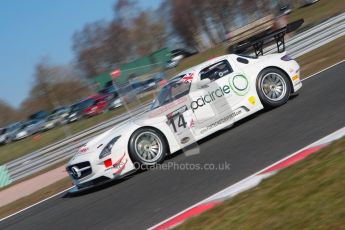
(139, 143)
(273, 87)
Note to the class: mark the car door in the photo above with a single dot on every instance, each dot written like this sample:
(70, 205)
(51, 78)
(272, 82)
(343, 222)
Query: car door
(220, 90)
(211, 100)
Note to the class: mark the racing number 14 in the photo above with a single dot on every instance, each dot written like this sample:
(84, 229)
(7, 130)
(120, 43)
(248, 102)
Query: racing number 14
(181, 123)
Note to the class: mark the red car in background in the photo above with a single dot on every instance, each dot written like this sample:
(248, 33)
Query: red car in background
(96, 105)
(87, 107)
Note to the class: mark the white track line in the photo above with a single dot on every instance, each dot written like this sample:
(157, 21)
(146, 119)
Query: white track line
(189, 207)
(329, 67)
(35, 204)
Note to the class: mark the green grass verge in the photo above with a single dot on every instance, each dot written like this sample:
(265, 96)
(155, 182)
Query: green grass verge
(317, 12)
(322, 57)
(307, 195)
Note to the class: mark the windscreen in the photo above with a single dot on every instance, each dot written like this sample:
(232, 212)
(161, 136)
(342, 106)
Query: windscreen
(176, 88)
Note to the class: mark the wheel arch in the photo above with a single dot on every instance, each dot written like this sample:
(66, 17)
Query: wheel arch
(278, 68)
(149, 127)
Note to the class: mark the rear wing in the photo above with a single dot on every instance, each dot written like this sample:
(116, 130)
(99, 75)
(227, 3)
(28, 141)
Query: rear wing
(258, 41)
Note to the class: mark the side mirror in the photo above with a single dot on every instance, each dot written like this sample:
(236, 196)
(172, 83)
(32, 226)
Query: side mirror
(204, 83)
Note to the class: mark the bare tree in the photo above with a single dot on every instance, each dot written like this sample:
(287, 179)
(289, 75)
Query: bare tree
(53, 86)
(201, 23)
(125, 11)
(148, 35)
(185, 23)
(90, 49)
(101, 46)
(118, 44)
(8, 114)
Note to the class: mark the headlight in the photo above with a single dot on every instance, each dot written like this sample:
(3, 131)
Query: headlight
(107, 149)
(73, 115)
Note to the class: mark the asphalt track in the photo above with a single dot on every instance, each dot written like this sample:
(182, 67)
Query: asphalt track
(150, 197)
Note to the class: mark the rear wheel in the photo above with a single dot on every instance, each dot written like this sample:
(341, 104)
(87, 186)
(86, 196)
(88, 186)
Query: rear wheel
(273, 87)
(147, 146)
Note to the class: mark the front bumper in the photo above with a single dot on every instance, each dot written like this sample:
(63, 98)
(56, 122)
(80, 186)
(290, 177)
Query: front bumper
(88, 171)
(95, 180)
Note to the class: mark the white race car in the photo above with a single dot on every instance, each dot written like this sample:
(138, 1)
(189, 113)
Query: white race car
(192, 105)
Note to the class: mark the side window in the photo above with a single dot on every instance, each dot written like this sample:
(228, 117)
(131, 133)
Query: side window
(175, 89)
(179, 89)
(216, 71)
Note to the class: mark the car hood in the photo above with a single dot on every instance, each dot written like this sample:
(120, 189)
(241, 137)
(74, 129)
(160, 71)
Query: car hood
(95, 145)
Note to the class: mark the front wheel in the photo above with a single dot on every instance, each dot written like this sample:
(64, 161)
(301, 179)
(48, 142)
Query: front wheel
(273, 87)
(147, 146)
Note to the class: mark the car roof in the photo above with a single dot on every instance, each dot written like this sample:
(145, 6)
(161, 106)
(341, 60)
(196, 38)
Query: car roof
(199, 67)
